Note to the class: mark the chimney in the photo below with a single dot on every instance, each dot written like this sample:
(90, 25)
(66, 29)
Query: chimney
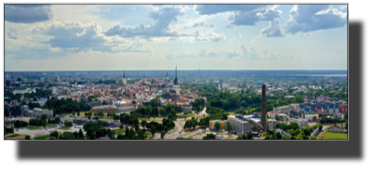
(263, 107)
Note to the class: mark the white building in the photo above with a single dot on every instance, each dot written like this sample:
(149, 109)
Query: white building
(310, 117)
(54, 90)
(271, 124)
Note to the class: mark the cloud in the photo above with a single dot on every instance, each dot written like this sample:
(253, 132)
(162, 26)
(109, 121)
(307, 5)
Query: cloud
(20, 49)
(204, 53)
(181, 56)
(240, 35)
(12, 33)
(273, 30)
(202, 24)
(211, 36)
(163, 17)
(270, 56)
(298, 57)
(283, 57)
(27, 13)
(170, 56)
(231, 55)
(78, 37)
(215, 9)
(247, 15)
(254, 39)
(249, 53)
(307, 18)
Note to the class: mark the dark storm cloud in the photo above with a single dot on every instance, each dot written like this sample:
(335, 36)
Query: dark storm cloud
(27, 13)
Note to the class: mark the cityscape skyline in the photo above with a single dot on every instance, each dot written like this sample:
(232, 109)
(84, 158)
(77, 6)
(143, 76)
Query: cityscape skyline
(210, 37)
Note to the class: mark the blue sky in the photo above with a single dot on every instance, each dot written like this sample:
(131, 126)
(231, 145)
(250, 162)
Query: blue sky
(147, 37)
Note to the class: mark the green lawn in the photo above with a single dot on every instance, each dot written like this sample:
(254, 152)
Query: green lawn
(335, 136)
(43, 137)
(33, 127)
(11, 136)
(65, 127)
(119, 131)
(185, 115)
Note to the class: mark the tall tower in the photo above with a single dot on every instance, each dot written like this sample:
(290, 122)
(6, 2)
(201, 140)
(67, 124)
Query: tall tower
(176, 79)
(263, 107)
(124, 79)
(176, 86)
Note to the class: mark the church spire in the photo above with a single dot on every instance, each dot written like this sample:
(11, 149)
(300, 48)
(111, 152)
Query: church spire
(176, 79)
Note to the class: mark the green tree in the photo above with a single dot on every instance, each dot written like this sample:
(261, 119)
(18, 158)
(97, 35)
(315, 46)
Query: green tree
(27, 137)
(127, 133)
(217, 126)
(162, 134)
(153, 130)
(121, 126)
(137, 127)
(43, 123)
(239, 138)
(43, 117)
(277, 117)
(228, 125)
(249, 135)
(67, 136)
(54, 134)
(278, 135)
(111, 134)
(162, 112)
(313, 138)
(143, 123)
(80, 134)
(244, 137)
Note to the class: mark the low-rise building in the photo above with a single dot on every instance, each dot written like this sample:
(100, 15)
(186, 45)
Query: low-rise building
(222, 123)
(187, 108)
(302, 122)
(310, 117)
(271, 124)
(240, 124)
(273, 114)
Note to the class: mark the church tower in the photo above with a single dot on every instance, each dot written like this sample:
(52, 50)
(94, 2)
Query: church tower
(176, 85)
(124, 79)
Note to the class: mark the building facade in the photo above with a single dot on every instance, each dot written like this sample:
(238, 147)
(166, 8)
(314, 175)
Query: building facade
(187, 108)
(271, 124)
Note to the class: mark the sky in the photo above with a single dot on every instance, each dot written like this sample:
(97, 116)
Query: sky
(159, 37)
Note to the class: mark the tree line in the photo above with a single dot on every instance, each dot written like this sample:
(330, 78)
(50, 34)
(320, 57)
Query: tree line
(65, 106)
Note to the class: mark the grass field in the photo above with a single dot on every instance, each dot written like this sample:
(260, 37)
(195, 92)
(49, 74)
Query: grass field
(43, 137)
(30, 127)
(119, 131)
(11, 136)
(33, 127)
(65, 127)
(185, 115)
(335, 136)
(15, 137)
